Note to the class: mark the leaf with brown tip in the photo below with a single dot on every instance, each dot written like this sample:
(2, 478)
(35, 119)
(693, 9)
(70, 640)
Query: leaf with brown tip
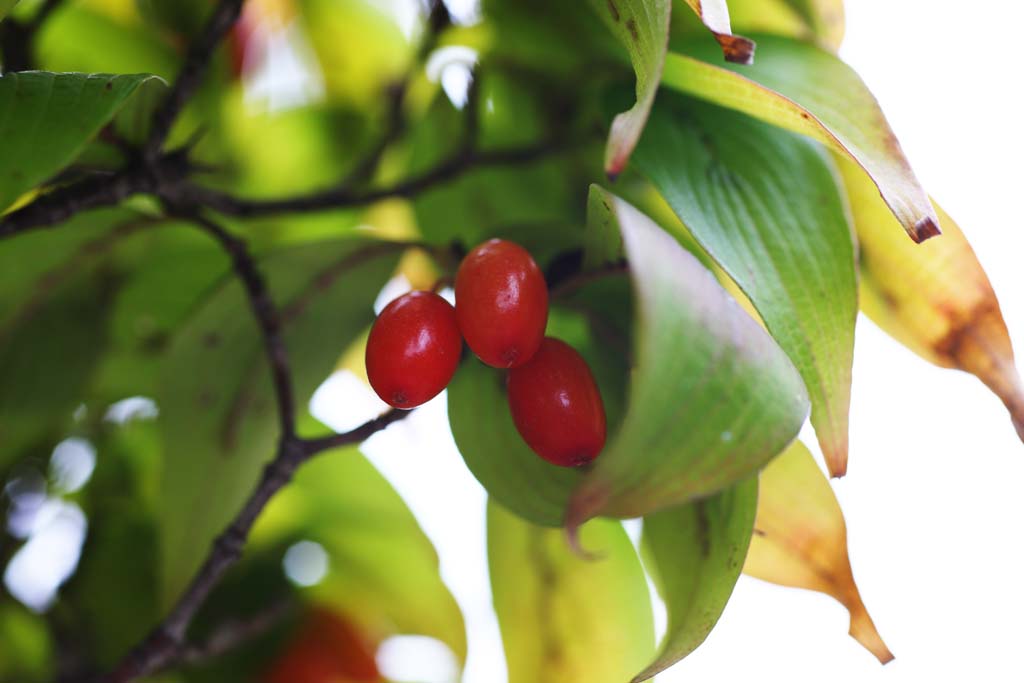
(642, 27)
(715, 15)
(807, 90)
(800, 540)
(934, 298)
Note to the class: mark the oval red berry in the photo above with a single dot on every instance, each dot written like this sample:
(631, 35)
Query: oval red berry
(556, 405)
(501, 301)
(413, 349)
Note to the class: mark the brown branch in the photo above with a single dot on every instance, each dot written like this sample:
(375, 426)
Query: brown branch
(267, 316)
(233, 634)
(199, 56)
(344, 197)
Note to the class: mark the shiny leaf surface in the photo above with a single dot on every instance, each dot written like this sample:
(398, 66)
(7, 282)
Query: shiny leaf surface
(47, 118)
(764, 203)
(807, 90)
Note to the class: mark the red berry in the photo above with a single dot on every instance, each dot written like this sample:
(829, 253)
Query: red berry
(557, 406)
(327, 648)
(501, 301)
(413, 349)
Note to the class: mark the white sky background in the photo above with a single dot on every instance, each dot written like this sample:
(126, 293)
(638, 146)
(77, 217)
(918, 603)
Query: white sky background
(933, 497)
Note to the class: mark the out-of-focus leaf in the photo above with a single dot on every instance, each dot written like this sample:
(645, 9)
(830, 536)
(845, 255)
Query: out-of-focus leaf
(695, 553)
(819, 21)
(217, 406)
(48, 118)
(496, 454)
(5, 7)
(564, 618)
(805, 89)
(714, 14)
(182, 17)
(26, 648)
(764, 203)
(800, 539)
(936, 298)
(712, 396)
(642, 27)
(49, 349)
(360, 48)
(383, 571)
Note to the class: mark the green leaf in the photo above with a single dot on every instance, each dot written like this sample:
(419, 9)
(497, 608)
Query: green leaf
(765, 205)
(714, 14)
(818, 21)
(564, 618)
(807, 90)
(481, 423)
(26, 647)
(47, 118)
(218, 413)
(383, 571)
(5, 7)
(695, 552)
(642, 27)
(712, 396)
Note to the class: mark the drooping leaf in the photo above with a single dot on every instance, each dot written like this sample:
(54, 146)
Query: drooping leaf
(714, 14)
(217, 407)
(935, 299)
(695, 552)
(383, 571)
(805, 89)
(47, 118)
(819, 21)
(481, 422)
(712, 396)
(642, 27)
(800, 539)
(764, 203)
(564, 618)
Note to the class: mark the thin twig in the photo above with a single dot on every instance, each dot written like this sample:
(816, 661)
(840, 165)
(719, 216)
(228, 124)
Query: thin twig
(357, 435)
(267, 316)
(343, 197)
(235, 633)
(189, 78)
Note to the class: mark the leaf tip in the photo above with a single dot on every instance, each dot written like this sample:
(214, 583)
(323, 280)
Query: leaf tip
(863, 630)
(925, 229)
(736, 49)
(583, 507)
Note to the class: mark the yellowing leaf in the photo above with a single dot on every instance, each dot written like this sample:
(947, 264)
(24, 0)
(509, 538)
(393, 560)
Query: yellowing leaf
(820, 21)
(800, 540)
(715, 15)
(564, 618)
(934, 298)
(642, 27)
(805, 89)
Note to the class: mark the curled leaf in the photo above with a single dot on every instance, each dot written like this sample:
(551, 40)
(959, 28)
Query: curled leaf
(715, 15)
(935, 298)
(807, 90)
(694, 553)
(712, 396)
(800, 540)
(766, 206)
(642, 27)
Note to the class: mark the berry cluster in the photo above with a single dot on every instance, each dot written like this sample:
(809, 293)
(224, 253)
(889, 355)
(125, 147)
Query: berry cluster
(501, 310)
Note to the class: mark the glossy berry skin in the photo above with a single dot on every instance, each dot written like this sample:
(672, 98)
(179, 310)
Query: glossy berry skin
(413, 349)
(501, 301)
(556, 405)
